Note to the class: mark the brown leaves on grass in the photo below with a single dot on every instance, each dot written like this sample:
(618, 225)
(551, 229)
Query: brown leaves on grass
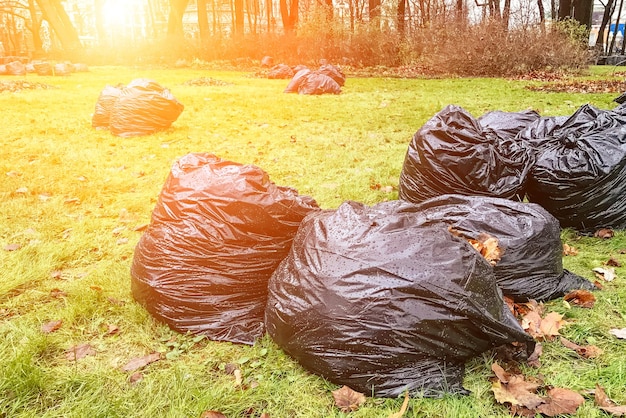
(348, 400)
(580, 297)
(12, 247)
(613, 262)
(139, 362)
(51, 326)
(543, 328)
(569, 250)
(585, 351)
(79, 351)
(606, 404)
(582, 86)
(607, 274)
(522, 398)
(403, 408)
(604, 233)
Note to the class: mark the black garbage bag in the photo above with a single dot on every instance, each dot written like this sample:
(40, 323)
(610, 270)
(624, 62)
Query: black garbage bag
(63, 69)
(621, 99)
(3, 69)
(453, 154)
(333, 72)
(280, 71)
(297, 80)
(531, 265)
(16, 68)
(370, 299)
(144, 107)
(218, 231)
(42, 68)
(106, 101)
(507, 124)
(580, 172)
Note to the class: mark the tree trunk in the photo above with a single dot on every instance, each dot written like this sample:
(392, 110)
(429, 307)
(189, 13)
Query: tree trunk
(565, 9)
(609, 8)
(175, 19)
(289, 15)
(270, 16)
(203, 22)
(374, 10)
(542, 15)
(619, 15)
(55, 14)
(506, 13)
(35, 25)
(582, 12)
(400, 17)
(238, 18)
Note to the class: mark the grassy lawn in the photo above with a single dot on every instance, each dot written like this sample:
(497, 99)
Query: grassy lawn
(72, 199)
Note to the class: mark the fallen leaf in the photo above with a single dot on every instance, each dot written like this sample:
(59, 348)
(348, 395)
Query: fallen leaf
(22, 190)
(229, 368)
(569, 250)
(588, 351)
(57, 293)
(122, 241)
(606, 404)
(533, 359)
(387, 189)
(561, 401)
(517, 392)
(619, 333)
(139, 362)
(265, 415)
(72, 201)
(580, 297)
(551, 324)
(96, 288)
(118, 230)
(12, 247)
(56, 274)
(79, 351)
(135, 378)
(51, 326)
(604, 233)
(13, 173)
(238, 377)
(608, 274)
(112, 330)
(403, 408)
(212, 414)
(502, 375)
(613, 262)
(348, 400)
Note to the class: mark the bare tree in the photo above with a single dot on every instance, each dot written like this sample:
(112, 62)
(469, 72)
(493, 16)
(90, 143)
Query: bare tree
(54, 13)
(175, 19)
(289, 15)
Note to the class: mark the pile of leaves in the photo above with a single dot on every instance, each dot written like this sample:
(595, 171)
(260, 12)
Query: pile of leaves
(206, 81)
(14, 86)
(582, 86)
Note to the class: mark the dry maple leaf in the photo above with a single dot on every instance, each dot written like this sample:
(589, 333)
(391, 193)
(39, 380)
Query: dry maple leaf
(551, 324)
(606, 404)
(587, 351)
(139, 362)
(51, 326)
(608, 274)
(484, 243)
(561, 401)
(580, 297)
(348, 400)
(569, 250)
(619, 333)
(79, 351)
(517, 392)
(613, 262)
(604, 233)
(135, 378)
(12, 247)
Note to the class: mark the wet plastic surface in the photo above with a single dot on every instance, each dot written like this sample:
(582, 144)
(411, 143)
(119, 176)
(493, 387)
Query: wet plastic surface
(280, 71)
(142, 107)
(531, 265)
(453, 153)
(371, 299)
(312, 82)
(580, 172)
(101, 118)
(218, 231)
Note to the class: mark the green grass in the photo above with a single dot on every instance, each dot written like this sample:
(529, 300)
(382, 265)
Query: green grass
(86, 191)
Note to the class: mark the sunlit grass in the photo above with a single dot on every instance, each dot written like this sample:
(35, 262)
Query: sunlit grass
(71, 198)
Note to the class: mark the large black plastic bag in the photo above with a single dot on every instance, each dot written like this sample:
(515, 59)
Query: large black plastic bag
(531, 266)
(106, 101)
(312, 82)
(218, 231)
(371, 299)
(144, 107)
(508, 124)
(453, 154)
(580, 172)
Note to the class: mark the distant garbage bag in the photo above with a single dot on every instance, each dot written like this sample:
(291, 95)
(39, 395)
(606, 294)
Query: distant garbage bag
(453, 154)
(16, 68)
(101, 118)
(42, 68)
(63, 69)
(371, 299)
(218, 231)
(143, 107)
(333, 72)
(3, 69)
(280, 71)
(312, 82)
(531, 265)
(580, 172)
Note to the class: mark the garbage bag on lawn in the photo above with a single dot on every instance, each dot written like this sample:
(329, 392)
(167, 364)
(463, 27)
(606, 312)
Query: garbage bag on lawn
(218, 231)
(453, 154)
(106, 101)
(531, 265)
(144, 107)
(280, 71)
(312, 82)
(580, 172)
(333, 72)
(16, 68)
(507, 124)
(371, 299)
